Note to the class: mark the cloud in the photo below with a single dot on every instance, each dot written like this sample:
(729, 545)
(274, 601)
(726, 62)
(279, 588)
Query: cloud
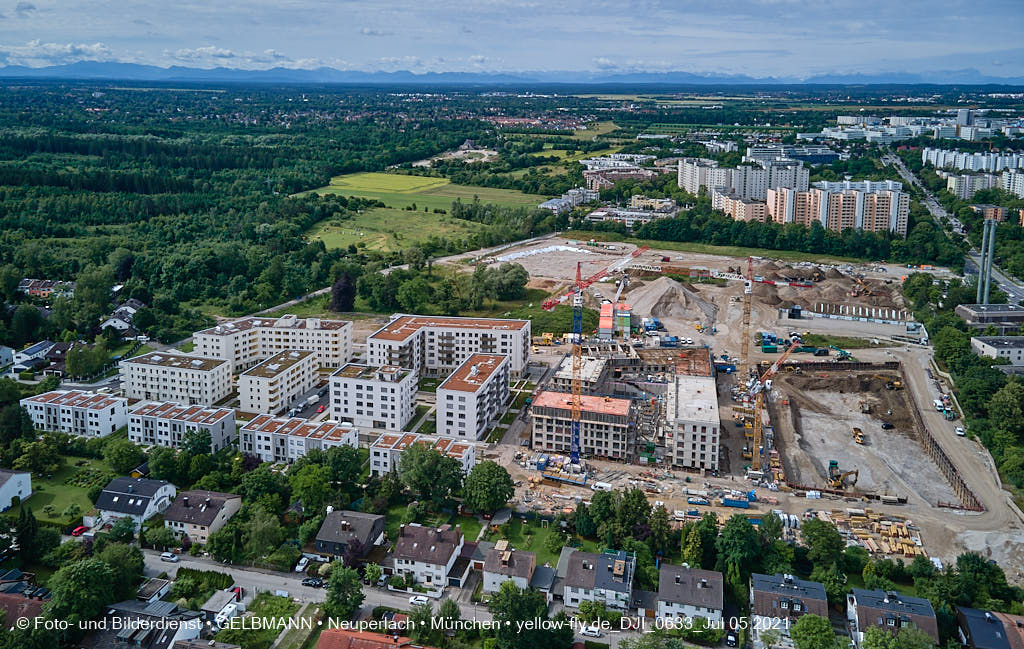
(604, 63)
(23, 9)
(370, 31)
(36, 53)
(143, 22)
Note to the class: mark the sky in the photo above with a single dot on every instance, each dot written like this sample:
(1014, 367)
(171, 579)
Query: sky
(778, 38)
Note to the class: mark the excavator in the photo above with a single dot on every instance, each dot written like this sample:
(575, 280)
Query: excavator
(837, 478)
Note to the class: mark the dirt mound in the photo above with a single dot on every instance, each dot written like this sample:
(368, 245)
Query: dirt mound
(832, 273)
(666, 297)
(542, 284)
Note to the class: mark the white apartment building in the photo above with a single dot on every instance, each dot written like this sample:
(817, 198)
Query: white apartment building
(74, 412)
(1012, 182)
(278, 382)
(248, 341)
(965, 186)
(436, 345)
(844, 205)
(1008, 347)
(14, 484)
(745, 182)
(165, 424)
(163, 376)
(386, 451)
(691, 412)
(606, 425)
(373, 397)
(977, 161)
(281, 439)
(473, 397)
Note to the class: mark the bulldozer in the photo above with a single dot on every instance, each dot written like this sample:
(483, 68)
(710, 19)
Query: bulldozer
(837, 478)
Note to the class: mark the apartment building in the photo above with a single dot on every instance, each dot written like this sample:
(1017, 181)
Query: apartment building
(769, 153)
(605, 577)
(978, 161)
(386, 451)
(166, 424)
(286, 439)
(606, 425)
(990, 212)
(738, 208)
(248, 341)
(791, 206)
(629, 217)
(685, 592)
(436, 345)
(427, 553)
(1013, 182)
(1008, 347)
(473, 397)
(278, 382)
(198, 514)
(873, 208)
(691, 412)
(745, 182)
(75, 412)
(964, 186)
(598, 179)
(373, 397)
(163, 376)
(890, 611)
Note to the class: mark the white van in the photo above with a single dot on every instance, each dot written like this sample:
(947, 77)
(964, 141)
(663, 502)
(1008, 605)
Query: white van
(601, 486)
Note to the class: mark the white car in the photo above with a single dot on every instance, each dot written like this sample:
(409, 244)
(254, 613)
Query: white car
(591, 632)
(960, 431)
(301, 565)
(418, 600)
(169, 556)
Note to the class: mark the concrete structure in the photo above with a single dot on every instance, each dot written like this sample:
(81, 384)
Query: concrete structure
(592, 375)
(198, 514)
(278, 382)
(280, 439)
(436, 345)
(163, 376)
(373, 397)
(1005, 317)
(134, 498)
(965, 186)
(889, 611)
(990, 212)
(14, 484)
(166, 424)
(778, 601)
(810, 154)
(248, 341)
(1008, 347)
(74, 412)
(980, 629)
(344, 529)
(685, 592)
(738, 208)
(598, 179)
(605, 577)
(386, 451)
(473, 397)
(629, 217)
(641, 202)
(427, 553)
(691, 413)
(502, 563)
(606, 425)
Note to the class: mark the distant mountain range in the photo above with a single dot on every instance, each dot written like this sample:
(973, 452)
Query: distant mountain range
(94, 70)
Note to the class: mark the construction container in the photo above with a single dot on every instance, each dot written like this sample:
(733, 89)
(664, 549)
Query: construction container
(769, 349)
(734, 502)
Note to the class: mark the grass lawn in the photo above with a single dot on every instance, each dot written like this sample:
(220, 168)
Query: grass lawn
(842, 342)
(508, 417)
(517, 537)
(470, 526)
(399, 191)
(854, 580)
(429, 384)
(387, 229)
(145, 349)
(265, 606)
(297, 637)
(59, 492)
(728, 251)
(187, 346)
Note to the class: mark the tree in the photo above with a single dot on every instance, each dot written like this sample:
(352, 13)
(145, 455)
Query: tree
(769, 638)
(373, 572)
(197, 441)
(583, 522)
(25, 531)
(1006, 410)
(39, 457)
(420, 617)
(414, 294)
(708, 527)
(555, 541)
(692, 552)
(265, 487)
(263, 533)
(126, 566)
(834, 581)
(123, 530)
(414, 257)
(122, 455)
(343, 294)
(161, 538)
(80, 591)
(813, 632)
(344, 594)
(905, 638)
(488, 488)
(15, 423)
(511, 605)
(311, 485)
(738, 551)
(824, 543)
(634, 509)
(661, 530)
(425, 471)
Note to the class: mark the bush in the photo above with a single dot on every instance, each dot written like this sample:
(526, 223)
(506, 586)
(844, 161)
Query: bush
(284, 557)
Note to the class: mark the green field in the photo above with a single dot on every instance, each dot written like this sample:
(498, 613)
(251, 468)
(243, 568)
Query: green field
(386, 229)
(399, 191)
(55, 491)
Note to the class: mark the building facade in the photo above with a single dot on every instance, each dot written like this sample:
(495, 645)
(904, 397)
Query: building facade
(685, 592)
(778, 601)
(606, 425)
(278, 382)
(739, 209)
(198, 514)
(14, 485)
(373, 397)
(889, 611)
(437, 345)
(85, 414)
(1008, 347)
(503, 563)
(872, 209)
(386, 451)
(134, 498)
(248, 341)
(280, 439)
(343, 529)
(162, 376)
(166, 424)
(473, 397)
(427, 553)
(605, 577)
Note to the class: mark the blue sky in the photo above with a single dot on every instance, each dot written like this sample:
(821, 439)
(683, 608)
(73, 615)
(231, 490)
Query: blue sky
(783, 38)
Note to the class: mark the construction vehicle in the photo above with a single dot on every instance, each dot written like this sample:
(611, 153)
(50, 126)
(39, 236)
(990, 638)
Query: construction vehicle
(547, 338)
(816, 276)
(894, 385)
(841, 354)
(865, 407)
(757, 389)
(858, 435)
(837, 478)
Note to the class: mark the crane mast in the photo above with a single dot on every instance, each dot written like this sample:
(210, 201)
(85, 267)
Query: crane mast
(577, 368)
(748, 293)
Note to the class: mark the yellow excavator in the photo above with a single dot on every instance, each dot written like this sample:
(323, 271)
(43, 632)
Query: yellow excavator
(837, 478)
(858, 435)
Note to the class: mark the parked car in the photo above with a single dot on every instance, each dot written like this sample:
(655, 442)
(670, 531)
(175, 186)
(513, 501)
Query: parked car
(313, 582)
(887, 426)
(960, 431)
(169, 556)
(418, 600)
(591, 632)
(301, 565)
(731, 639)
(79, 531)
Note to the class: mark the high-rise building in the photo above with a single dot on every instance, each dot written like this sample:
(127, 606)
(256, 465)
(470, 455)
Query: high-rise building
(374, 397)
(843, 206)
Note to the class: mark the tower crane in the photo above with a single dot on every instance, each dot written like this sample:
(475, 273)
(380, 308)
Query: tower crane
(757, 389)
(748, 294)
(576, 412)
(623, 283)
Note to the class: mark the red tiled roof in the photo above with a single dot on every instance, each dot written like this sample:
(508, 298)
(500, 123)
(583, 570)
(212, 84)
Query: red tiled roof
(350, 639)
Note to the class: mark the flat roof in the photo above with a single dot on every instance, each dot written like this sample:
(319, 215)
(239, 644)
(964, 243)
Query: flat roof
(695, 398)
(278, 363)
(401, 441)
(993, 308)
(178, 412)
(404, 326)
(590, 403)
(76, 399)
(298, 427)
(590, 372)
(181, 361)
(390, 373)
(286, 321)
(473, 373)
(1004, 342)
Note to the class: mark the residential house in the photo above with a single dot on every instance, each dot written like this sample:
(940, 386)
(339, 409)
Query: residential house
(6, 356)
(167, 424)
(352, 639)
(139, 625)
(778, 601)
(135, 498)
(198, 514)
(891, 611)
(1014, 627)
(34, 352)
(341, 529)
(427, 553)
(605, 577)
(123, 316)
(386, 451)
(980, 629)
(153, 589)
(14, 484)
(685, 592)
(503, 563)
